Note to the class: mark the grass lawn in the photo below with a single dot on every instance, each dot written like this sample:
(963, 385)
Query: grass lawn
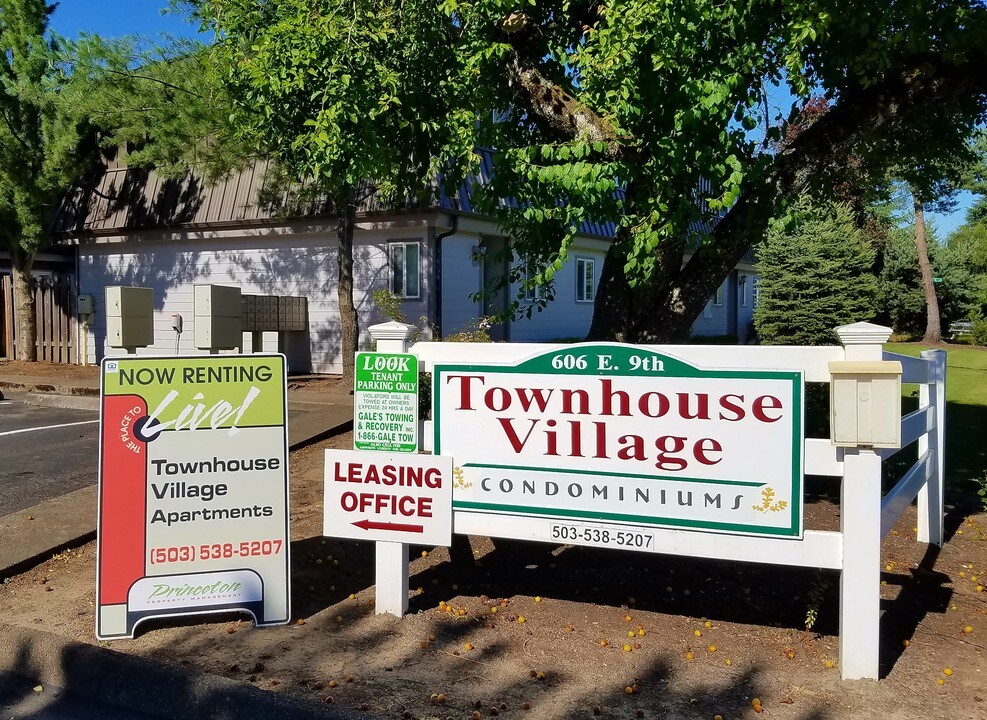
(966, 410)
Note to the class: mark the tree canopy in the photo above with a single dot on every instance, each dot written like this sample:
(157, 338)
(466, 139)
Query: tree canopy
(653, 114)
(44, 146)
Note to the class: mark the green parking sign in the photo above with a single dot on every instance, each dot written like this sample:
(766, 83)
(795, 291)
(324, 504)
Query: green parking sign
(385, 400)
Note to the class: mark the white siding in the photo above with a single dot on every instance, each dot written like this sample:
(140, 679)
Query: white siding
(563, 317)
(715, 324)
(269, 264)
(302, 262)
(461, 278)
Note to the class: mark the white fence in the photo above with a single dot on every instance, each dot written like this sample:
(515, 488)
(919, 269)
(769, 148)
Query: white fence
(865, 515)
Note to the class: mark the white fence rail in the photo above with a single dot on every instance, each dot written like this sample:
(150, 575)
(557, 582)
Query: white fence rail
(865, 516)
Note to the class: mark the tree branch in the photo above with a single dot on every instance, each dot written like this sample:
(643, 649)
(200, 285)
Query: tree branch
(565, 116)
(922, 84)
(165, 83)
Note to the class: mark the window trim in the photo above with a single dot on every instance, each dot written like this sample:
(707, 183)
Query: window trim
(391, 245)
(581, 279)
(718, 296)
(756, 290)
(743, 294)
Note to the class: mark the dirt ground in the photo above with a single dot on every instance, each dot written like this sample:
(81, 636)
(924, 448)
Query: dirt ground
(40, 369)
(541, 631)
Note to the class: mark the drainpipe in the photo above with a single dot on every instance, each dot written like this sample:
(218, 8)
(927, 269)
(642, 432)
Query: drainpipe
(438, 272)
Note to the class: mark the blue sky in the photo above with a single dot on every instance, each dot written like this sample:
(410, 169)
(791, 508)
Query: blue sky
(113, 18)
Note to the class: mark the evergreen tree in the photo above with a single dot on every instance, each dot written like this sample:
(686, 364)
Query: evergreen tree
(816, 276)
(42, 148)
(902, 299)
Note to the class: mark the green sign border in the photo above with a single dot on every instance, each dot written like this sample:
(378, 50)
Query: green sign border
(410, 447)
(673, 367)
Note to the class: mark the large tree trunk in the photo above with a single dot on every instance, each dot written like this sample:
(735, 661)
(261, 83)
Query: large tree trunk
(348, 322)
(663, 309)
(933, 331)
(26, 330)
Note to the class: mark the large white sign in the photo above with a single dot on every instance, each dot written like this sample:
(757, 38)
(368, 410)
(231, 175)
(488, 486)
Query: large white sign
(606, 438)
(388, 496)
(193, 489)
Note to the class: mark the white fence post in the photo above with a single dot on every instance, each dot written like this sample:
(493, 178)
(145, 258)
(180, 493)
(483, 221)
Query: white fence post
(930, 496)
(391, 557)
(860, 520)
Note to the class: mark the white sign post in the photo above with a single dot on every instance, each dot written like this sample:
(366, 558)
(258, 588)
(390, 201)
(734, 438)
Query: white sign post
(391, 557)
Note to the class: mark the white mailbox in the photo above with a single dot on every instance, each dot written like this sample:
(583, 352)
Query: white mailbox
(865, 404)
(129, 317)
(218, 317)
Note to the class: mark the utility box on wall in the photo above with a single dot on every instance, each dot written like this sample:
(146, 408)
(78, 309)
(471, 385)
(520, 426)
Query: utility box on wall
(129, 317)
(865, 404)
(218, 321)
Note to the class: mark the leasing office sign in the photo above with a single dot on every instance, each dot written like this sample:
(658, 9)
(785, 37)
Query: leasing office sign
(193, 489)
(606, 433)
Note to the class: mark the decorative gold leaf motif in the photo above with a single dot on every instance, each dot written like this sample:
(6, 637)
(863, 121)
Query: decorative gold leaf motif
(459, 481)
(767, 502)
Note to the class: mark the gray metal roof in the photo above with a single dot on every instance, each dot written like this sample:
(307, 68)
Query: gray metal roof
(119, 198)
(115, 198)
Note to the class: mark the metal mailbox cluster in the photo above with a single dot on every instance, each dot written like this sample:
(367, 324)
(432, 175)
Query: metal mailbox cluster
(274, 313)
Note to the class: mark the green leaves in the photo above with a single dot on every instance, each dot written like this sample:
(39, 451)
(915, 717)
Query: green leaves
(817, 274)
(345, 93)
(43, 148)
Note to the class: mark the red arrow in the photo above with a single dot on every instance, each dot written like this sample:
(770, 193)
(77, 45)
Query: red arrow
(397, 527)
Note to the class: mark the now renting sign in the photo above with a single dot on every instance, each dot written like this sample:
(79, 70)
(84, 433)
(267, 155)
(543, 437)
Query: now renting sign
(193, 490)
(592, 434)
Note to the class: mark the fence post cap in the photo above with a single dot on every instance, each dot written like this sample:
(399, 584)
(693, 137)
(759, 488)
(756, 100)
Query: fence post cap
(391, 331)
(863, 333)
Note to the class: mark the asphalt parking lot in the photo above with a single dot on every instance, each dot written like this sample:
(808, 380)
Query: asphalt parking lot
(44, 452)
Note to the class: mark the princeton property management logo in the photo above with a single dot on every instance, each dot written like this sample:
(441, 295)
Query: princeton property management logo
(234, 587)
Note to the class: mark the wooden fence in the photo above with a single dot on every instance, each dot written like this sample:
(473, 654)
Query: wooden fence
(54, 307)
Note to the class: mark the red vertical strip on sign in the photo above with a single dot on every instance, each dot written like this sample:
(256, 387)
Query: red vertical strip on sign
(123, 498)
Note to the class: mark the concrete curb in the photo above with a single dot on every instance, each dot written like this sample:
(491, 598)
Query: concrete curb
(148, 686)
(66, 402)
(65, 521)
(75, 390)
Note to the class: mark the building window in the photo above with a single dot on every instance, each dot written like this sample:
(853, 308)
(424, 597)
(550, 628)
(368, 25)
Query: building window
(742, 290)
(585, 280)
(406, 269)
(757, 291)
(718, 297)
